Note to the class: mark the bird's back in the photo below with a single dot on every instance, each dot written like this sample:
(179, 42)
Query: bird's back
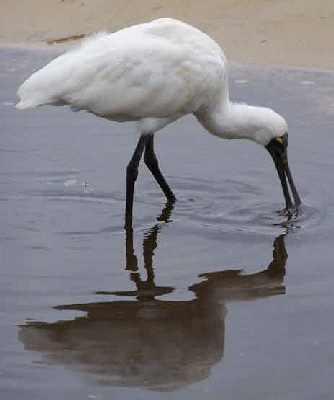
(157, 69)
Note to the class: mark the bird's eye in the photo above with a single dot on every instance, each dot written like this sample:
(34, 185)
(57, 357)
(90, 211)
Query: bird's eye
(282, 141)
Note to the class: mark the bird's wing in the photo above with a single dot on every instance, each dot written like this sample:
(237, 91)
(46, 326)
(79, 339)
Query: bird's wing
(130, 74)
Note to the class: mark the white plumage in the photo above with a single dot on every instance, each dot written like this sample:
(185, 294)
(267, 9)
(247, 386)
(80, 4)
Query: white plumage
(157, 69)
(162, 70)
(153, 73)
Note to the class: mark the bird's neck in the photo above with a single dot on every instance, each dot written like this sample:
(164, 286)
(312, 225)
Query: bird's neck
(232, 120)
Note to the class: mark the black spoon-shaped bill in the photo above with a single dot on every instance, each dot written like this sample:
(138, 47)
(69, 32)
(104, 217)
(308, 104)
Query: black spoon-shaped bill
(277, 148)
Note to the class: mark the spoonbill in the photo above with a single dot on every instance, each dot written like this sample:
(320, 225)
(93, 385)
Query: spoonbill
(155, 73)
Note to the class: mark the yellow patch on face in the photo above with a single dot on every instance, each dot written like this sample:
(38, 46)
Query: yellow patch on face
(280, 139)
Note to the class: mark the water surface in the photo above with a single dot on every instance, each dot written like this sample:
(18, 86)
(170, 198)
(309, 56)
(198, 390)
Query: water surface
(218, 296)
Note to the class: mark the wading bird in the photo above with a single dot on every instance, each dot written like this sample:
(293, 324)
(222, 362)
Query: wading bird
(155, 73)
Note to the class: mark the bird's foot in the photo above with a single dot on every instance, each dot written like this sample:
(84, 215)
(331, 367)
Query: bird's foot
(290, 212)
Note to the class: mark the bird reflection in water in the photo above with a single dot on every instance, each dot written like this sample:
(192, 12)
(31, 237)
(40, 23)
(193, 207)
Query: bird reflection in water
(148, 342)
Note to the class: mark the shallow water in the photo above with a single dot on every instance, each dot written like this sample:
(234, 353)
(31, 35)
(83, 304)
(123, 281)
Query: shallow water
(219, 296)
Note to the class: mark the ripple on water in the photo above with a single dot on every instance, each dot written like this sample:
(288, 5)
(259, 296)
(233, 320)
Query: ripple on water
(237, 206)
(224, 206)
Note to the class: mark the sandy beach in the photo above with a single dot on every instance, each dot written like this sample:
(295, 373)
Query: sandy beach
(286, 32)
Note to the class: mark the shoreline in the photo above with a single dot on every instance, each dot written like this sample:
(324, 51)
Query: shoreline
(289, 33)
(60, 49)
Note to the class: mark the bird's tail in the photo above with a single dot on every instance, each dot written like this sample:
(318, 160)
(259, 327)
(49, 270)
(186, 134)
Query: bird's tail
(36, 91)
(30, 95)
(25, 104)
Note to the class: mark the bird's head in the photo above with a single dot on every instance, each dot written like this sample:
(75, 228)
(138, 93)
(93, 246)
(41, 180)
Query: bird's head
(263, 126)
(270, 130)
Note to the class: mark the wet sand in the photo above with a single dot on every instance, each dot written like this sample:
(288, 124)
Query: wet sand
(285, 32)
(218, 297)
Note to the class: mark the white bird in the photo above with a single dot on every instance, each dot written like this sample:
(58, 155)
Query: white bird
(155, 73)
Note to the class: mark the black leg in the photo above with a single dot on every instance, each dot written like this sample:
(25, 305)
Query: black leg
(153, 165)
(131, 177)
(131, 258)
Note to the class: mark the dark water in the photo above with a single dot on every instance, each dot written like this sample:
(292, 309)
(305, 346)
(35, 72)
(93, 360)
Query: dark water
(219, 297)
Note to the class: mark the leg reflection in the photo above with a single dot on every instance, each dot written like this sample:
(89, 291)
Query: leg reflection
(141, 340)
(146, 289)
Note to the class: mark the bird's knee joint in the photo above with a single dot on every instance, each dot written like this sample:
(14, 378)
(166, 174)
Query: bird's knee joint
(131, 172)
